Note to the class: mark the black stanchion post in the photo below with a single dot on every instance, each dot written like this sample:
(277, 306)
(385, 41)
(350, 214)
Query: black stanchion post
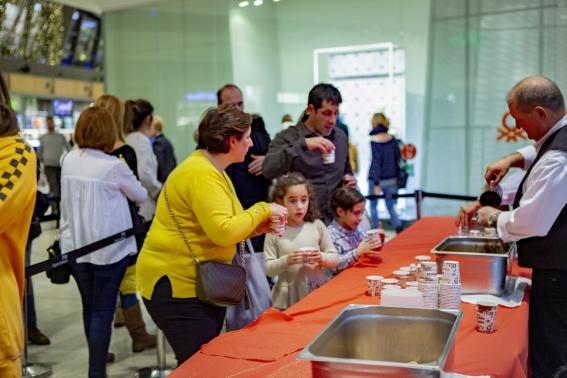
(161, 370)
(418, 200)
(31, 370)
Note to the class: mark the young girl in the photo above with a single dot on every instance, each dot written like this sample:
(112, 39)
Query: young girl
(299, 270)
(348, 230)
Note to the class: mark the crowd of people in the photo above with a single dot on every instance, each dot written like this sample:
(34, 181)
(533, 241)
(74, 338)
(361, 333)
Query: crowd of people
(239, 184)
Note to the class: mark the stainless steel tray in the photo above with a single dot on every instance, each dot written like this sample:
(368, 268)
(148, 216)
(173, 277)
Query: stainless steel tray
(369, 341)
(485, 262)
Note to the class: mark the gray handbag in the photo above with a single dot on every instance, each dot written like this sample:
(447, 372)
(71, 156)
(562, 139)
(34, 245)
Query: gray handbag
(218, 283)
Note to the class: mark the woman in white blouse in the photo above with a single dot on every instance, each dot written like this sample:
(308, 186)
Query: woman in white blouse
(138, 129)
(94, 191)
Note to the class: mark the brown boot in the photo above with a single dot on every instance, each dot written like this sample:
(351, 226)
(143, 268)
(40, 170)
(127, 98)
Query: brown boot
(118, 318)
(135, 323)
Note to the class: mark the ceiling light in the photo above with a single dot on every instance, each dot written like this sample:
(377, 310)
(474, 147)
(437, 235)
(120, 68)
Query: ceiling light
(243, 4)
(258, 2)
(275, 1)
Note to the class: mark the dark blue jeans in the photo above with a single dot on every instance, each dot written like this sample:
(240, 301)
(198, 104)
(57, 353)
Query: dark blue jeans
(98, 285)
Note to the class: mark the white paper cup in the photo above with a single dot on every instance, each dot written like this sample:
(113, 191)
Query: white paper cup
(390, 281)
(486, 316)
(308, 249)
(329, 158)
(402, 277)
(374, 285)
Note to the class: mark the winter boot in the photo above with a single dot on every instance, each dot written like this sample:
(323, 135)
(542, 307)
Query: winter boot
(135, 323)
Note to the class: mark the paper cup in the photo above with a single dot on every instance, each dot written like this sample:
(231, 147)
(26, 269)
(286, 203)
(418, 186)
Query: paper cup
(329, 158)
(486, 316)
(374, 285)
(308, 250)
(402, 277)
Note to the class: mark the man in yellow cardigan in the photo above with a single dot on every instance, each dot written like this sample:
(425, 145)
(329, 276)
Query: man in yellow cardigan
(17, 199)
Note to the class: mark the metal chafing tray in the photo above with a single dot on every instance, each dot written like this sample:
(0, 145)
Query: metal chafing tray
(484, 262)
(369, 341)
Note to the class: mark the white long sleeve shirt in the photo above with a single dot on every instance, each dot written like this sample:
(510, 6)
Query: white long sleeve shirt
(545, 193)
(94, 187)
(147, 171)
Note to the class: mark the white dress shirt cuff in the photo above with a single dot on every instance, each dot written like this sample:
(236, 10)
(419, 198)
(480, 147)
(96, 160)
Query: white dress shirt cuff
(501, 223)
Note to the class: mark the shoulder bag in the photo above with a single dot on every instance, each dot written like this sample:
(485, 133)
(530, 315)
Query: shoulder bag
(218, 283)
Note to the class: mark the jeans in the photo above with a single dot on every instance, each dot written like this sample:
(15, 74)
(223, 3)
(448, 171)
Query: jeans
(187, 323)
(389, 188)
(548, 322)
(53, 175)
(98, 286)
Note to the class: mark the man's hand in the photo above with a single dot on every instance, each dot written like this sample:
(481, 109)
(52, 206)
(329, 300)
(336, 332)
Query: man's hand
(377, 190)
(496, 170)
(483, 214)
(466, 212)
(321, 144)
(255, 167)
(349, 181)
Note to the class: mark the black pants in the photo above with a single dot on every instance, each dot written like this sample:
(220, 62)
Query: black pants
(187, 323)
(548, 322)
(53, 175)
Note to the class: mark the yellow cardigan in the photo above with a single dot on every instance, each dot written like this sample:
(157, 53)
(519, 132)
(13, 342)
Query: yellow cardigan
(205, 205)
(17, 199)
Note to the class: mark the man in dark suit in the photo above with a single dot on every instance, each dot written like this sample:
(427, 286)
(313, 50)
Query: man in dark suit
(250, 184)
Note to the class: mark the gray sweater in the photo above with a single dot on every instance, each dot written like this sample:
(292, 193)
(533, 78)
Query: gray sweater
(51, 147)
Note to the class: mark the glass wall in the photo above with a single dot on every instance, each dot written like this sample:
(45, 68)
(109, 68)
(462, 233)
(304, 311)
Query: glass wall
(479, 49)
(178, 53)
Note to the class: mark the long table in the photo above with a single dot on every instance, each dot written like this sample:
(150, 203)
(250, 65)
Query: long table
(269, 346)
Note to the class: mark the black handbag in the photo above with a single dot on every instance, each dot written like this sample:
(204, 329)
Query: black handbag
(402, 178)
(218, 283)
(58, 275)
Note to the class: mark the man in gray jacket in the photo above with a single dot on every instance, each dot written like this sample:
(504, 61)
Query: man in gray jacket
(51, 146)
(315, 148)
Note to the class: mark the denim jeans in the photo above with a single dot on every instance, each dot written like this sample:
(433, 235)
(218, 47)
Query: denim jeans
(98, 286)
(389, 188)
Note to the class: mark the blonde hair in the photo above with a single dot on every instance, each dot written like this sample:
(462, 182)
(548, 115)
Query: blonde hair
(158, 123)
(95, 129)
(115, 108)
(380, 118)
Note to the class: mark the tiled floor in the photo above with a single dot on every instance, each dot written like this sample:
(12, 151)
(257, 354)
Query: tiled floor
(59, 315)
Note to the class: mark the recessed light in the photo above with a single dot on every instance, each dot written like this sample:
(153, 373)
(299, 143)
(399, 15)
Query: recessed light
(243, 4)
(258, 2)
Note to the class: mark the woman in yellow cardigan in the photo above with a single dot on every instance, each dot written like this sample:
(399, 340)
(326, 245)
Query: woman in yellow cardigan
(204, 203)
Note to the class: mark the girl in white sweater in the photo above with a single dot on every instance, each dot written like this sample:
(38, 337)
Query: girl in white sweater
(300, 256)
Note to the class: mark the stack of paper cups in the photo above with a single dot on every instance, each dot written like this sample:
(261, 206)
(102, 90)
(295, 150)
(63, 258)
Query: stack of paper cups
(428, 284)
(450, 286)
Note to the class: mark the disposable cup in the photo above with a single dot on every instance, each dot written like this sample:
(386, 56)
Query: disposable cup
(486, 316)
(374, 285)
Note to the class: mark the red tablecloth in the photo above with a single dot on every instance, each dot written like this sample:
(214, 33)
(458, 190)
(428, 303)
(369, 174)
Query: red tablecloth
(269, 346)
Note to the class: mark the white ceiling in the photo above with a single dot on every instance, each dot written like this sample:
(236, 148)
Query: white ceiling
(101, 6)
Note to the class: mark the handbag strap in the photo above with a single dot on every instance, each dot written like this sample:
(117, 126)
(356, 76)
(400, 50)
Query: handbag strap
(184, 237)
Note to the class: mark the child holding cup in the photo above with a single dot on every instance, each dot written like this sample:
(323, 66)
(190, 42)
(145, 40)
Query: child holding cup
(299, 257)
(348, 229)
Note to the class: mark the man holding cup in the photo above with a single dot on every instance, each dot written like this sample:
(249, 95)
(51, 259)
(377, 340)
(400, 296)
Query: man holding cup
(538, 222)
(314, 148)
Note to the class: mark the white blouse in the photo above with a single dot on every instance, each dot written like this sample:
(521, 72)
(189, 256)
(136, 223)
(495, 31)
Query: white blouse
(147, 171)
(94, 187)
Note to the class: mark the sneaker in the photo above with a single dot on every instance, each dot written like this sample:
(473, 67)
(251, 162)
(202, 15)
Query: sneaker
(35, 336)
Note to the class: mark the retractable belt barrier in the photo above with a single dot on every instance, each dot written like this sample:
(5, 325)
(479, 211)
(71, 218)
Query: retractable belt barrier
(64, 258)
(424, 195)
